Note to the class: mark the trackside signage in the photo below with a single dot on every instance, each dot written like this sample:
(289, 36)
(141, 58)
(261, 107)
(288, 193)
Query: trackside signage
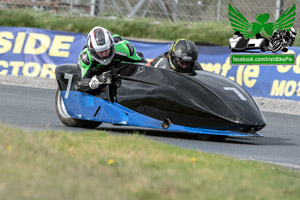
(272, 81)
(36, 52)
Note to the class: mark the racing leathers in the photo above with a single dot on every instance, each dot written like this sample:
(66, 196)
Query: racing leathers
(281, 39)
(92, 74)
(163, 61)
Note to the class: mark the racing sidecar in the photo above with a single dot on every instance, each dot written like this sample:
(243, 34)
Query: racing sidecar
(202, 103)
(239, 43)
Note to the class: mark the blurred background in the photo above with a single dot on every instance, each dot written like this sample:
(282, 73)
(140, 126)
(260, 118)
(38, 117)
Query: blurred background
(159, 10)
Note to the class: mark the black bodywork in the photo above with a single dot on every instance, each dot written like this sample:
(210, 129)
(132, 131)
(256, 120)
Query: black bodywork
(202, 99)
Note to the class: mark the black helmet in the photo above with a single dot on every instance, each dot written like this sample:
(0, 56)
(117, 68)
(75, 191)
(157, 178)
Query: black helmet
(183, 55)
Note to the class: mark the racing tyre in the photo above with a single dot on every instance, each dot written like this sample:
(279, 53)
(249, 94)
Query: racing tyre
(66, 119)
(263, 49)
(285, 49)
(264, 45)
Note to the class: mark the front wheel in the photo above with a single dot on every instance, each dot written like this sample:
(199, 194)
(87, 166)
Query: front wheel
(66, 119)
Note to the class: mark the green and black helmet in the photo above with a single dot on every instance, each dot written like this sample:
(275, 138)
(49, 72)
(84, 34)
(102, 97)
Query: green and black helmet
(183, 55)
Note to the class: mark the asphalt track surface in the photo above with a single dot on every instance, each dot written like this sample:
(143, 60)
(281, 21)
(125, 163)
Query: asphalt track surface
(33, 109)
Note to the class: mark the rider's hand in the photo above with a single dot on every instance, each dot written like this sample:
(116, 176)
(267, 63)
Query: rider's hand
(105, 78)
(94, 83)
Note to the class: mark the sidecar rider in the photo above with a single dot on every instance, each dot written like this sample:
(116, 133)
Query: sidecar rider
(281, 39)
(98, 56)
(182, 57)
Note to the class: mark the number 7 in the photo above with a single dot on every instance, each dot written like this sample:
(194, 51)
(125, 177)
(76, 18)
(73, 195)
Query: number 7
(69, 77)
(236, 92)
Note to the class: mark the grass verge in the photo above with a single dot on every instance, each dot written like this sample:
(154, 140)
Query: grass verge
(214, 32)
(97, 165)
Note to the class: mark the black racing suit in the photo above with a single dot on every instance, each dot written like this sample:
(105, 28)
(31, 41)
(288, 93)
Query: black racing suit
(283, 37)
(283, 34)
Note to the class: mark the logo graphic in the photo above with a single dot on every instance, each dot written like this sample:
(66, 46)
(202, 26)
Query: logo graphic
(241, 24)
(269, 36)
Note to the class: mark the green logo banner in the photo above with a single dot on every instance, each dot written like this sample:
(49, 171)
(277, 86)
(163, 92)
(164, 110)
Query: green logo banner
(261, 26)
(262, 59)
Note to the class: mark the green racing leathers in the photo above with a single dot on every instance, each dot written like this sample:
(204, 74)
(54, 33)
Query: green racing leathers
(88, 67)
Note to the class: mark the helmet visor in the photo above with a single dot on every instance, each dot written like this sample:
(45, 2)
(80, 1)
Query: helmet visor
(103, 57)
(185, 65)
(103, 54)
(185, 62)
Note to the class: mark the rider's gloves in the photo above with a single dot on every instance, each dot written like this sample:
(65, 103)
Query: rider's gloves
(94, 83)
(104, 78)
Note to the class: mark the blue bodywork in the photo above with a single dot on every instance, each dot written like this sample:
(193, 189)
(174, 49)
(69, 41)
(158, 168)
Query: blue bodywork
(84, 106)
